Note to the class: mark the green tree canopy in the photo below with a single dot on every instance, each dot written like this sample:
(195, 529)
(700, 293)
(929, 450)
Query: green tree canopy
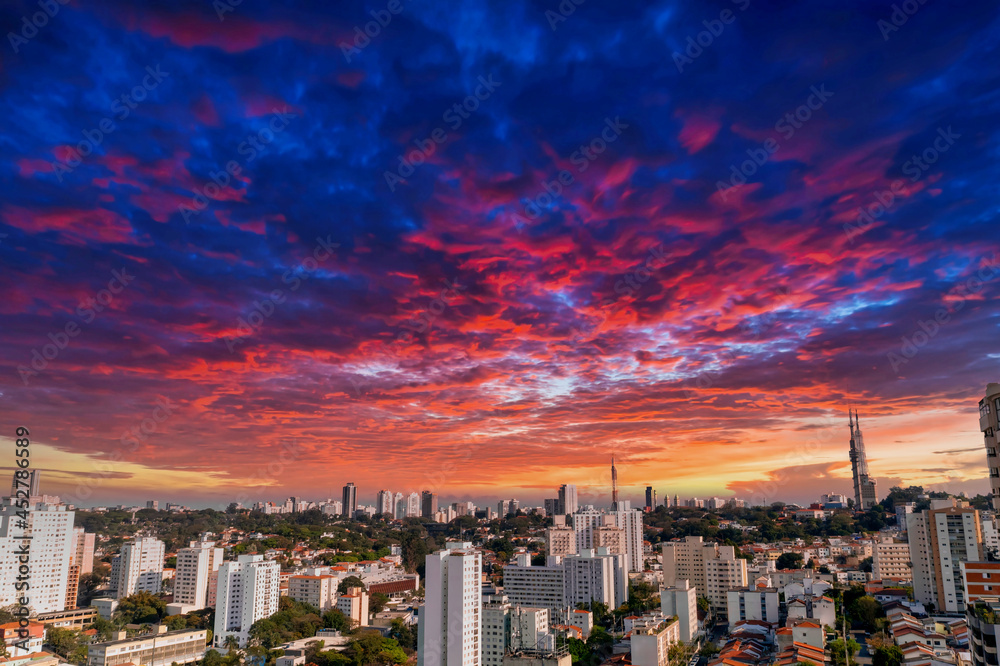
(789, 561)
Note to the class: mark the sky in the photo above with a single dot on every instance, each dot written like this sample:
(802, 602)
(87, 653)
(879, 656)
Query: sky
(252, 251)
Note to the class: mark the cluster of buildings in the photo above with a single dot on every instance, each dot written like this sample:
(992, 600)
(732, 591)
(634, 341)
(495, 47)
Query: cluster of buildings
(935, 574)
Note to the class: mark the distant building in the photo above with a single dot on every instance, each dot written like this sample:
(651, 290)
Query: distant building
(568, 503)
(413, 505)
(650, 498)
(384, 502)
(865, 495)
(350, 500)
(428, 504)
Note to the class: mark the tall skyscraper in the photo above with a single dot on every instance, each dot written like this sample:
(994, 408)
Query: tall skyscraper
(413, 505)
(865, 496)
(34, 484)
(383, 502)
(247, 592)
(650, 498)
(428, 504)
(350, 500)
(614, 485)
(989, 423)
(197, 570)
(50, 554)
(568, 503)
(398, 506)
(450, 628)
(940, 539)
(140, 567)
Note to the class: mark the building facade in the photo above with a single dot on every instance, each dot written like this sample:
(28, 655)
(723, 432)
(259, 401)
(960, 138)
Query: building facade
(940, 539)
(180, 647)
(891, 559)
(349, 500)
(247, 592)
(682, 601)
(450, 625)
(140, 567)
(197, 575)
(50, 552)
(989, 423)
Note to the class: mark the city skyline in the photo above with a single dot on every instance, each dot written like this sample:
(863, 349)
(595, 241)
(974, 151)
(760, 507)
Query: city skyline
(484, 249)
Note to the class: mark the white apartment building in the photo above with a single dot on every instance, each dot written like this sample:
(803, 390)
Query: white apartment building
(496, 628)
(140, 567)
(563, 582)
(196, 577)
(316, 590)
(413, 505)
(383, 502)
(536, 586)
(50, 552)
(753, 603)
(450, 625)
(625, 517)
(892, 560)
(591, 577)
(682, 601)
(709, 567)
(940, 539)
(247, 592)
(651, 638)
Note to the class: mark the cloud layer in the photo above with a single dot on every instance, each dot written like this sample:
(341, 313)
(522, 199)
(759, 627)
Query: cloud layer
(486, 247)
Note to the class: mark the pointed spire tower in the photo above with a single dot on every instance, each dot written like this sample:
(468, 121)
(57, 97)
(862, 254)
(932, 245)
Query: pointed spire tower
(614, 484)
(865, 496)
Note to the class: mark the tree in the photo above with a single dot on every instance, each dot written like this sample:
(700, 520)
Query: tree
(789, 561)
(837, 651)
(350, 581)
(865, 611)
(66, 644)
(371, 649)
(405, 636)
(887, 655)
(377, 602)
(335, 619)
(232, 645)
(141, 608)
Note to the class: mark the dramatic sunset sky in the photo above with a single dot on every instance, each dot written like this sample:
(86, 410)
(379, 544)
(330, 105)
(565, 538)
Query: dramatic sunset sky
(464, 331)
